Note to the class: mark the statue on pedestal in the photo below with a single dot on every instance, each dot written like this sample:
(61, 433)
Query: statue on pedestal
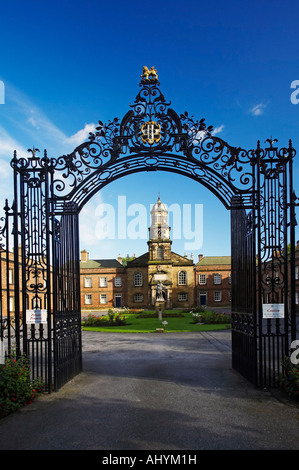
(160, 292)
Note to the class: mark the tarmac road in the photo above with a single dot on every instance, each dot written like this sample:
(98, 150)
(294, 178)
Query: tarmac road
(169, 391)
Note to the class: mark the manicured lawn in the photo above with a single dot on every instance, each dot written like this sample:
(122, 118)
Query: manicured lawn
(149, 325)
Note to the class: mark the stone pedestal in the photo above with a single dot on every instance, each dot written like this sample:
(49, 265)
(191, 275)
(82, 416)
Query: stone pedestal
(160, 307)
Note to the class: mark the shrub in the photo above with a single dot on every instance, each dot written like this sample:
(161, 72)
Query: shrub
(16, 388)
(289, 379)
(199, 309)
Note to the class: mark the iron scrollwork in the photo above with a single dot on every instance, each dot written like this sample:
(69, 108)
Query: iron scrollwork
(152, 136)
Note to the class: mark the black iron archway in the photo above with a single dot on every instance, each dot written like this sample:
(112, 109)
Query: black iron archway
(255, 185)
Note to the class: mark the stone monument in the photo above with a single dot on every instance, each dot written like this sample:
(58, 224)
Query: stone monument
(160, 299)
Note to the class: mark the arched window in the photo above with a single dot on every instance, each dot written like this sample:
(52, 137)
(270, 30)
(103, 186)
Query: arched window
(160, 252)
(182, 278)
(138, 279)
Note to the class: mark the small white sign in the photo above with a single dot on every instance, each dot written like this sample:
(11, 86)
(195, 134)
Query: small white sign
(2, 353)
(36, 316)
(160, 277)
(273, 310)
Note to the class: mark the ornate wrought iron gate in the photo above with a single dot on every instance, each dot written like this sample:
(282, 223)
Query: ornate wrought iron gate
(255, 185)
(243, 268)
(66, 297)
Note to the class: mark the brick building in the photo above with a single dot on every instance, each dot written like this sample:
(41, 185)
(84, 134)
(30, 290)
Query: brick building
(102, 282)
(160, 264)
(213, 281)
(107, 283)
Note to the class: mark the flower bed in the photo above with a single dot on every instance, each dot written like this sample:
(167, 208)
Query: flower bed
(211, 317)
(105, 320)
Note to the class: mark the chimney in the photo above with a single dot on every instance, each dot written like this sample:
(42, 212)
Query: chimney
(84, 255)
(119, 259)
(200, 257)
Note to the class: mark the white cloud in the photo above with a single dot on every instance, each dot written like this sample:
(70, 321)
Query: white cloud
(258, 109)
(202, 134)
(218, 129)
(38, 130)
(8, 144)
(81, 136)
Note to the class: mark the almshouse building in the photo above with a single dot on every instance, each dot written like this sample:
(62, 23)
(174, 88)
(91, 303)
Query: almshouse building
(107, 283)
(102, 282)
(213, 281)
(160, 265)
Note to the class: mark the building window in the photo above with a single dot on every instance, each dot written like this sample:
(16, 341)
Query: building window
(11, 304)
(160, 252)
(182, 297)
(138, 297)
(182, 278)
(87, 282)
(137, 279)
(103, 282)
(103, 298)
(88, 299)
(296, 272)
(117, 281)
(217, 278)
(229, 278)
(202, 279)
(217, 296)
(297, 298)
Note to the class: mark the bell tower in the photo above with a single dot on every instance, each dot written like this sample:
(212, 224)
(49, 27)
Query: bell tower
(159, 233)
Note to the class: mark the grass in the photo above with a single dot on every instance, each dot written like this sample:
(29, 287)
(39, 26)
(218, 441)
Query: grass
(135, 323)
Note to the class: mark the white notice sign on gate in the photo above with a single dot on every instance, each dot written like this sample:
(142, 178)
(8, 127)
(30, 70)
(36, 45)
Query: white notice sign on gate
(36, 316)
(273, 310)
(2, 353)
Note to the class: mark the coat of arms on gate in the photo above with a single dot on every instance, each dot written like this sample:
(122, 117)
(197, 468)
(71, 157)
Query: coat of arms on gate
(150, 132)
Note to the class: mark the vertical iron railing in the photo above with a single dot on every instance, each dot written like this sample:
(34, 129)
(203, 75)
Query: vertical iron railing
(66, 299)
(7, 320)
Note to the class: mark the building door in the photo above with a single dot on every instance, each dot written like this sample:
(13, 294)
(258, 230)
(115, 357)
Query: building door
(117, 301)
(203, 298)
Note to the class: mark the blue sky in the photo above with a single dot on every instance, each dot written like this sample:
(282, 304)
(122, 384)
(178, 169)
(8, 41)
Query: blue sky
(65, 65)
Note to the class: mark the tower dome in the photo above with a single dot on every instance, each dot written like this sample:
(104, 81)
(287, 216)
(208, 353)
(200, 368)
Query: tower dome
(159, 228)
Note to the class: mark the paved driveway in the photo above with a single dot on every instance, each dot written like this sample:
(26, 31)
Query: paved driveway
(155, 392)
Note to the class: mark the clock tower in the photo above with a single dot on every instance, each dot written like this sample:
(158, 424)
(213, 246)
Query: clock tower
(159, 233)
